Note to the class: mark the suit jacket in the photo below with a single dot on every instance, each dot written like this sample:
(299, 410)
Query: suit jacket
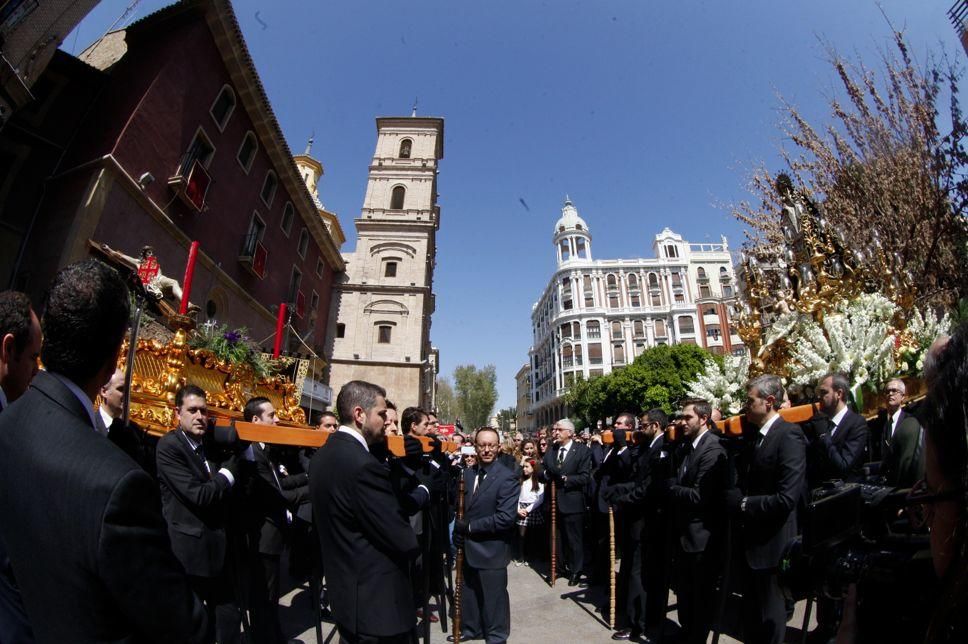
(366, 541)
(271, 495)
(83, 527)
(195, 505)
(903, 463)
(646, 494)
(697, 495)
(841, 456)
(577, 467)
(490, 511)
(615, 469)
(132, 440)
(772, 477)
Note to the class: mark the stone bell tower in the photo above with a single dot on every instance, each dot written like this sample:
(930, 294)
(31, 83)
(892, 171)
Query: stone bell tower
(380, 324)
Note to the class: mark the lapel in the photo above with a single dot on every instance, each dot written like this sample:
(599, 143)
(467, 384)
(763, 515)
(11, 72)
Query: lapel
(197, 461)
(486, 483)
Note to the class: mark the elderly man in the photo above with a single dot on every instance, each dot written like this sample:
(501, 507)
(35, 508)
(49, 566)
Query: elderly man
(899, 439)
(490, 508)
(569, 467)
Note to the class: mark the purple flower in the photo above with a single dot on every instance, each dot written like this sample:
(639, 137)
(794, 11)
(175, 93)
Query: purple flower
(232, 337)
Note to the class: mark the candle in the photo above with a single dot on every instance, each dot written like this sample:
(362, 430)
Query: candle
(280, 325)
(189, 274)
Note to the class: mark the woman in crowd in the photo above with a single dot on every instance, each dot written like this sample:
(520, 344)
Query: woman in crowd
(542, 448)
(529, 503)
(529, 449)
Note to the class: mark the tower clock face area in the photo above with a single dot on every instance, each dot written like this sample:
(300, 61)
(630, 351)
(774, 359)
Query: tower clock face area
(385, 305)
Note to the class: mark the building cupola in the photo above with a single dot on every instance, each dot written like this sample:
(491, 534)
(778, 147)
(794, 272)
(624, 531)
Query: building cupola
(572, 239)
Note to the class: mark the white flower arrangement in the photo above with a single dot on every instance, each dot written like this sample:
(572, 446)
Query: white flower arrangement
(922, 330)
(722, 386)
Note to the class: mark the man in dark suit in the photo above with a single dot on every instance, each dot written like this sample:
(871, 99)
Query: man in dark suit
(81, 521)
(643, 580)
(899, 438)
(614, 469)
(569, 466)
(490, 508)
(366, 540)
(838, 445)
(20, 338)
(196, 494)
(109, 421)
(771, 470)
(696, 499)
(272, 497)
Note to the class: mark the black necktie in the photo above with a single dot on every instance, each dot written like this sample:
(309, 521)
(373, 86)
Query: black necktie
(480, 479)
(686, 455)
(561, 455)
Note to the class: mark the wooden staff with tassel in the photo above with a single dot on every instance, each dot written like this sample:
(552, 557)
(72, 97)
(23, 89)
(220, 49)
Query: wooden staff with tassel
(554, 522)
(459, 566)
(611, 568)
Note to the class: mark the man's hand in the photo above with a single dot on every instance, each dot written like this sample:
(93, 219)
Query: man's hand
(461, 527)
(413, 449)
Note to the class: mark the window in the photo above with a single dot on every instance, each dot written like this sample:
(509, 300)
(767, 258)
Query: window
(686, 325)
(313, 304)
(635, 300)
(201, 150)
(580, 248)
(595, 353)
(340, 330)
(703, 290)
(303, 243)
(638, 329)
(247, 151)
(680, 299)
(671, 251)
(405, 147)
(222, 107)
(727, 291)
(611, 282)
(288, 214)
(709, 310)
(653, 281)
(294, 281)
(384, 332)
(660, 329)
(566, 330)
(676, 279)
(567, 356)
(257, 230)
(618, 354)
(389, 269)
(616, 330)
(578, 358)
(613, 301)
(713, 331)
(565, 250)
(594, 329)
(269, 188)
(319, 268)
(633, 282)
(576, 329)
(701, 273)
(396, 198)
(566, 305)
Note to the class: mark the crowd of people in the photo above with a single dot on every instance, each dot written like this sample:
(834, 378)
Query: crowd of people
(108, 534)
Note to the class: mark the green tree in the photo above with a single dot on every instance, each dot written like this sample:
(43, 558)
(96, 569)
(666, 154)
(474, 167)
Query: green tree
(505, 417)
(657, 378)
(476, 391)
(447, 409)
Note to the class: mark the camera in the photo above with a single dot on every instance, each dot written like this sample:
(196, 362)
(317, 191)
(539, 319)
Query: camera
(852, 534)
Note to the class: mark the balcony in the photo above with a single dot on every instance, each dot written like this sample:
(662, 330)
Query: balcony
(193, 188)
(253, 255)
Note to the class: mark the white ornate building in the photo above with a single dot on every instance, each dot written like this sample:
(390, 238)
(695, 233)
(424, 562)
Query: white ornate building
(598, 315)
(380, 322)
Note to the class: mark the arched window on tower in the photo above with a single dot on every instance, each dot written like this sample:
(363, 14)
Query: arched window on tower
(565, 250)
(405, 146)
(396, 198)
(580, 249)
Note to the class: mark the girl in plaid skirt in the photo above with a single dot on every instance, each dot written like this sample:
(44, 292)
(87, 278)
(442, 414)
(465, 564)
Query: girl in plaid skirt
(529, 502)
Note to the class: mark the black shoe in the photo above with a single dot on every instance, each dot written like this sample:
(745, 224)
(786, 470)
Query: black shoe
(622, 635)
(463, 638)
(574, 580)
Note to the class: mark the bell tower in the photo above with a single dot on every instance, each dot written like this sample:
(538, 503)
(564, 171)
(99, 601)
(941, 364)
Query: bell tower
(380, 328)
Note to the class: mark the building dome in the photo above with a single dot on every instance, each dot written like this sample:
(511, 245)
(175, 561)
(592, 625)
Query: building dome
(569, 220)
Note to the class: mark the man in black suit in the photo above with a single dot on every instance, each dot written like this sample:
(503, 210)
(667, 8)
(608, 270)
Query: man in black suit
(273, 496)
(490, 509)
(20, 338)
(81, 521)
(569, 467)
(643, 580)
(771, 470)
(614, 469)
(133, 441)
(838, 446)
(899, 438)
(696, 499)
(366, 540)
(196, 495)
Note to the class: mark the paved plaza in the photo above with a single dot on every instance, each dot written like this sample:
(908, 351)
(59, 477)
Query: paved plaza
(539, 614)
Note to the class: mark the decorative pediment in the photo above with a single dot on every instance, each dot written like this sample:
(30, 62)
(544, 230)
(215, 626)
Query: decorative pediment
(392, 247)
(386, 307)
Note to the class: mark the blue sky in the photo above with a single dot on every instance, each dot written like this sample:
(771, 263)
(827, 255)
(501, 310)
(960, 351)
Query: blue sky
(647, 113)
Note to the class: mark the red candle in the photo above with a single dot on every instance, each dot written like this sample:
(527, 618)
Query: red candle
(189, 274)
(280, 325)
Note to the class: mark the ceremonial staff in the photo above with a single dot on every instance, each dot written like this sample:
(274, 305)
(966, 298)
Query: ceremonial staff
(611, 567)
(554, 521)
(459, 567)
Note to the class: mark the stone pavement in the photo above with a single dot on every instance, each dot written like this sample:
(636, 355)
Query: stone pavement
(539, 614)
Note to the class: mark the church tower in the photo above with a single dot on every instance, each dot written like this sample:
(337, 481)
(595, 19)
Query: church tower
(380, 323)
(572, 239)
